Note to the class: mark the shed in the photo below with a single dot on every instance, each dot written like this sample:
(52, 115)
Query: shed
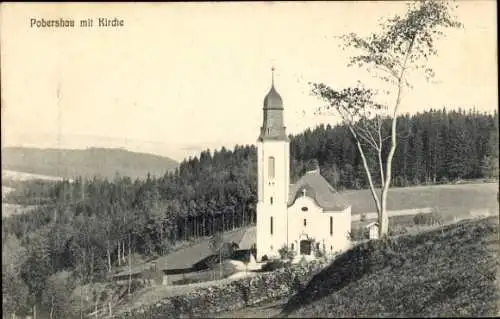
(372, 230)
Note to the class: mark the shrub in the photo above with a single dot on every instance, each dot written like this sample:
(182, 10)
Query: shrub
(396, 230)
(318, 253)
(428, 219)
(274, 264)
(358, 233)
(286, 253)
(303, 260)
(444, 180)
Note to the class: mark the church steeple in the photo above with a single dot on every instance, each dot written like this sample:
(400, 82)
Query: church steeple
(273, 127)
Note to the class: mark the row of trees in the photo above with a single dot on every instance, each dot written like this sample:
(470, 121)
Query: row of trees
(435, 146)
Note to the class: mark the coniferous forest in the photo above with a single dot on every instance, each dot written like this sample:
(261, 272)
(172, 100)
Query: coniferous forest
(88, 226)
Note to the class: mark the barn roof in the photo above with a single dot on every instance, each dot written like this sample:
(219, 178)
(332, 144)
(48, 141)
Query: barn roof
(318, 188)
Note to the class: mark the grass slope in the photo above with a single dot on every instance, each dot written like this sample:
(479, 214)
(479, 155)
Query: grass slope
(446, 272)
(68, 163)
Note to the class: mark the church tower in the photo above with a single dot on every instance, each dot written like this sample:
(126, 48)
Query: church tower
(273, 179)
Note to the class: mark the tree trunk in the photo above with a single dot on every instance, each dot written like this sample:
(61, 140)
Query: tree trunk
(92, 264)
(161, 239)
(81, 301)
(109, 256)
(220, 263)
(367, 169)
(52, 308)
(119, 254)
(233, 219)
(129, 264)
(176, 230)
(243, 215)
(383, 216)
(195, 226)
(213, 224)
(185, 229)
(95, 307)
(204, 229)
(123, 252)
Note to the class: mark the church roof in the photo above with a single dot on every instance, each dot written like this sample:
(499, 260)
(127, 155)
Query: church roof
(318, 188)
(273, 100)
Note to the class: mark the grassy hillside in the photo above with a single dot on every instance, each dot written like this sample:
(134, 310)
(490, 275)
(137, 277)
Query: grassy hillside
(69, 163)
(446, 272)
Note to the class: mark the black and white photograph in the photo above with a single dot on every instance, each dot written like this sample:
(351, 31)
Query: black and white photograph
(272, 159)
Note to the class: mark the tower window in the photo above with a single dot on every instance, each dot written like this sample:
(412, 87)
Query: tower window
(305, 222)
(271, 200)
(271, 225)
(331, 225)
(271, 167)
(292, 247)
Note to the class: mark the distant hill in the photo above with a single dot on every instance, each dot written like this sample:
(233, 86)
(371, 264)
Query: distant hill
(69, 163)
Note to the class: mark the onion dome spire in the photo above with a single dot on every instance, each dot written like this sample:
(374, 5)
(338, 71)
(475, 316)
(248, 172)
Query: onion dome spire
(273, 127)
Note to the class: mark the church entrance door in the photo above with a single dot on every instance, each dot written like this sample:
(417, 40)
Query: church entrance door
(305, 247)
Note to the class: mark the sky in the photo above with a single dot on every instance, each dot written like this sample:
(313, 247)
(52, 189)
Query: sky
(178, 78)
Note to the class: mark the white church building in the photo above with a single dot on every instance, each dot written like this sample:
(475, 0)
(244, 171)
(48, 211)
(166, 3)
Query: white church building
(306, 216)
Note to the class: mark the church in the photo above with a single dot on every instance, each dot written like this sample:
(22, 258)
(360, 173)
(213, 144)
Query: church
(306, 216)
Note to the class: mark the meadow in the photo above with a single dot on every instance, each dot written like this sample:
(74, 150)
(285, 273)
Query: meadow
(450, 199)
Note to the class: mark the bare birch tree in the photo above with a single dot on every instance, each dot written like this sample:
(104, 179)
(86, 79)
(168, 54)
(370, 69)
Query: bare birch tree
(400, 49)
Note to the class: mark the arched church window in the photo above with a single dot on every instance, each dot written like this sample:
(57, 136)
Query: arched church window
(293, 247)
(271, 200)
(271, 167)
(331, 225)
(305, 222)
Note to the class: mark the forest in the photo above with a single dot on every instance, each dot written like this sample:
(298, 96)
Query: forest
(88, 227)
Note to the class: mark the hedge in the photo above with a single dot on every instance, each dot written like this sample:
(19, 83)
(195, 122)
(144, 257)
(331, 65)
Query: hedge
(234, 295)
